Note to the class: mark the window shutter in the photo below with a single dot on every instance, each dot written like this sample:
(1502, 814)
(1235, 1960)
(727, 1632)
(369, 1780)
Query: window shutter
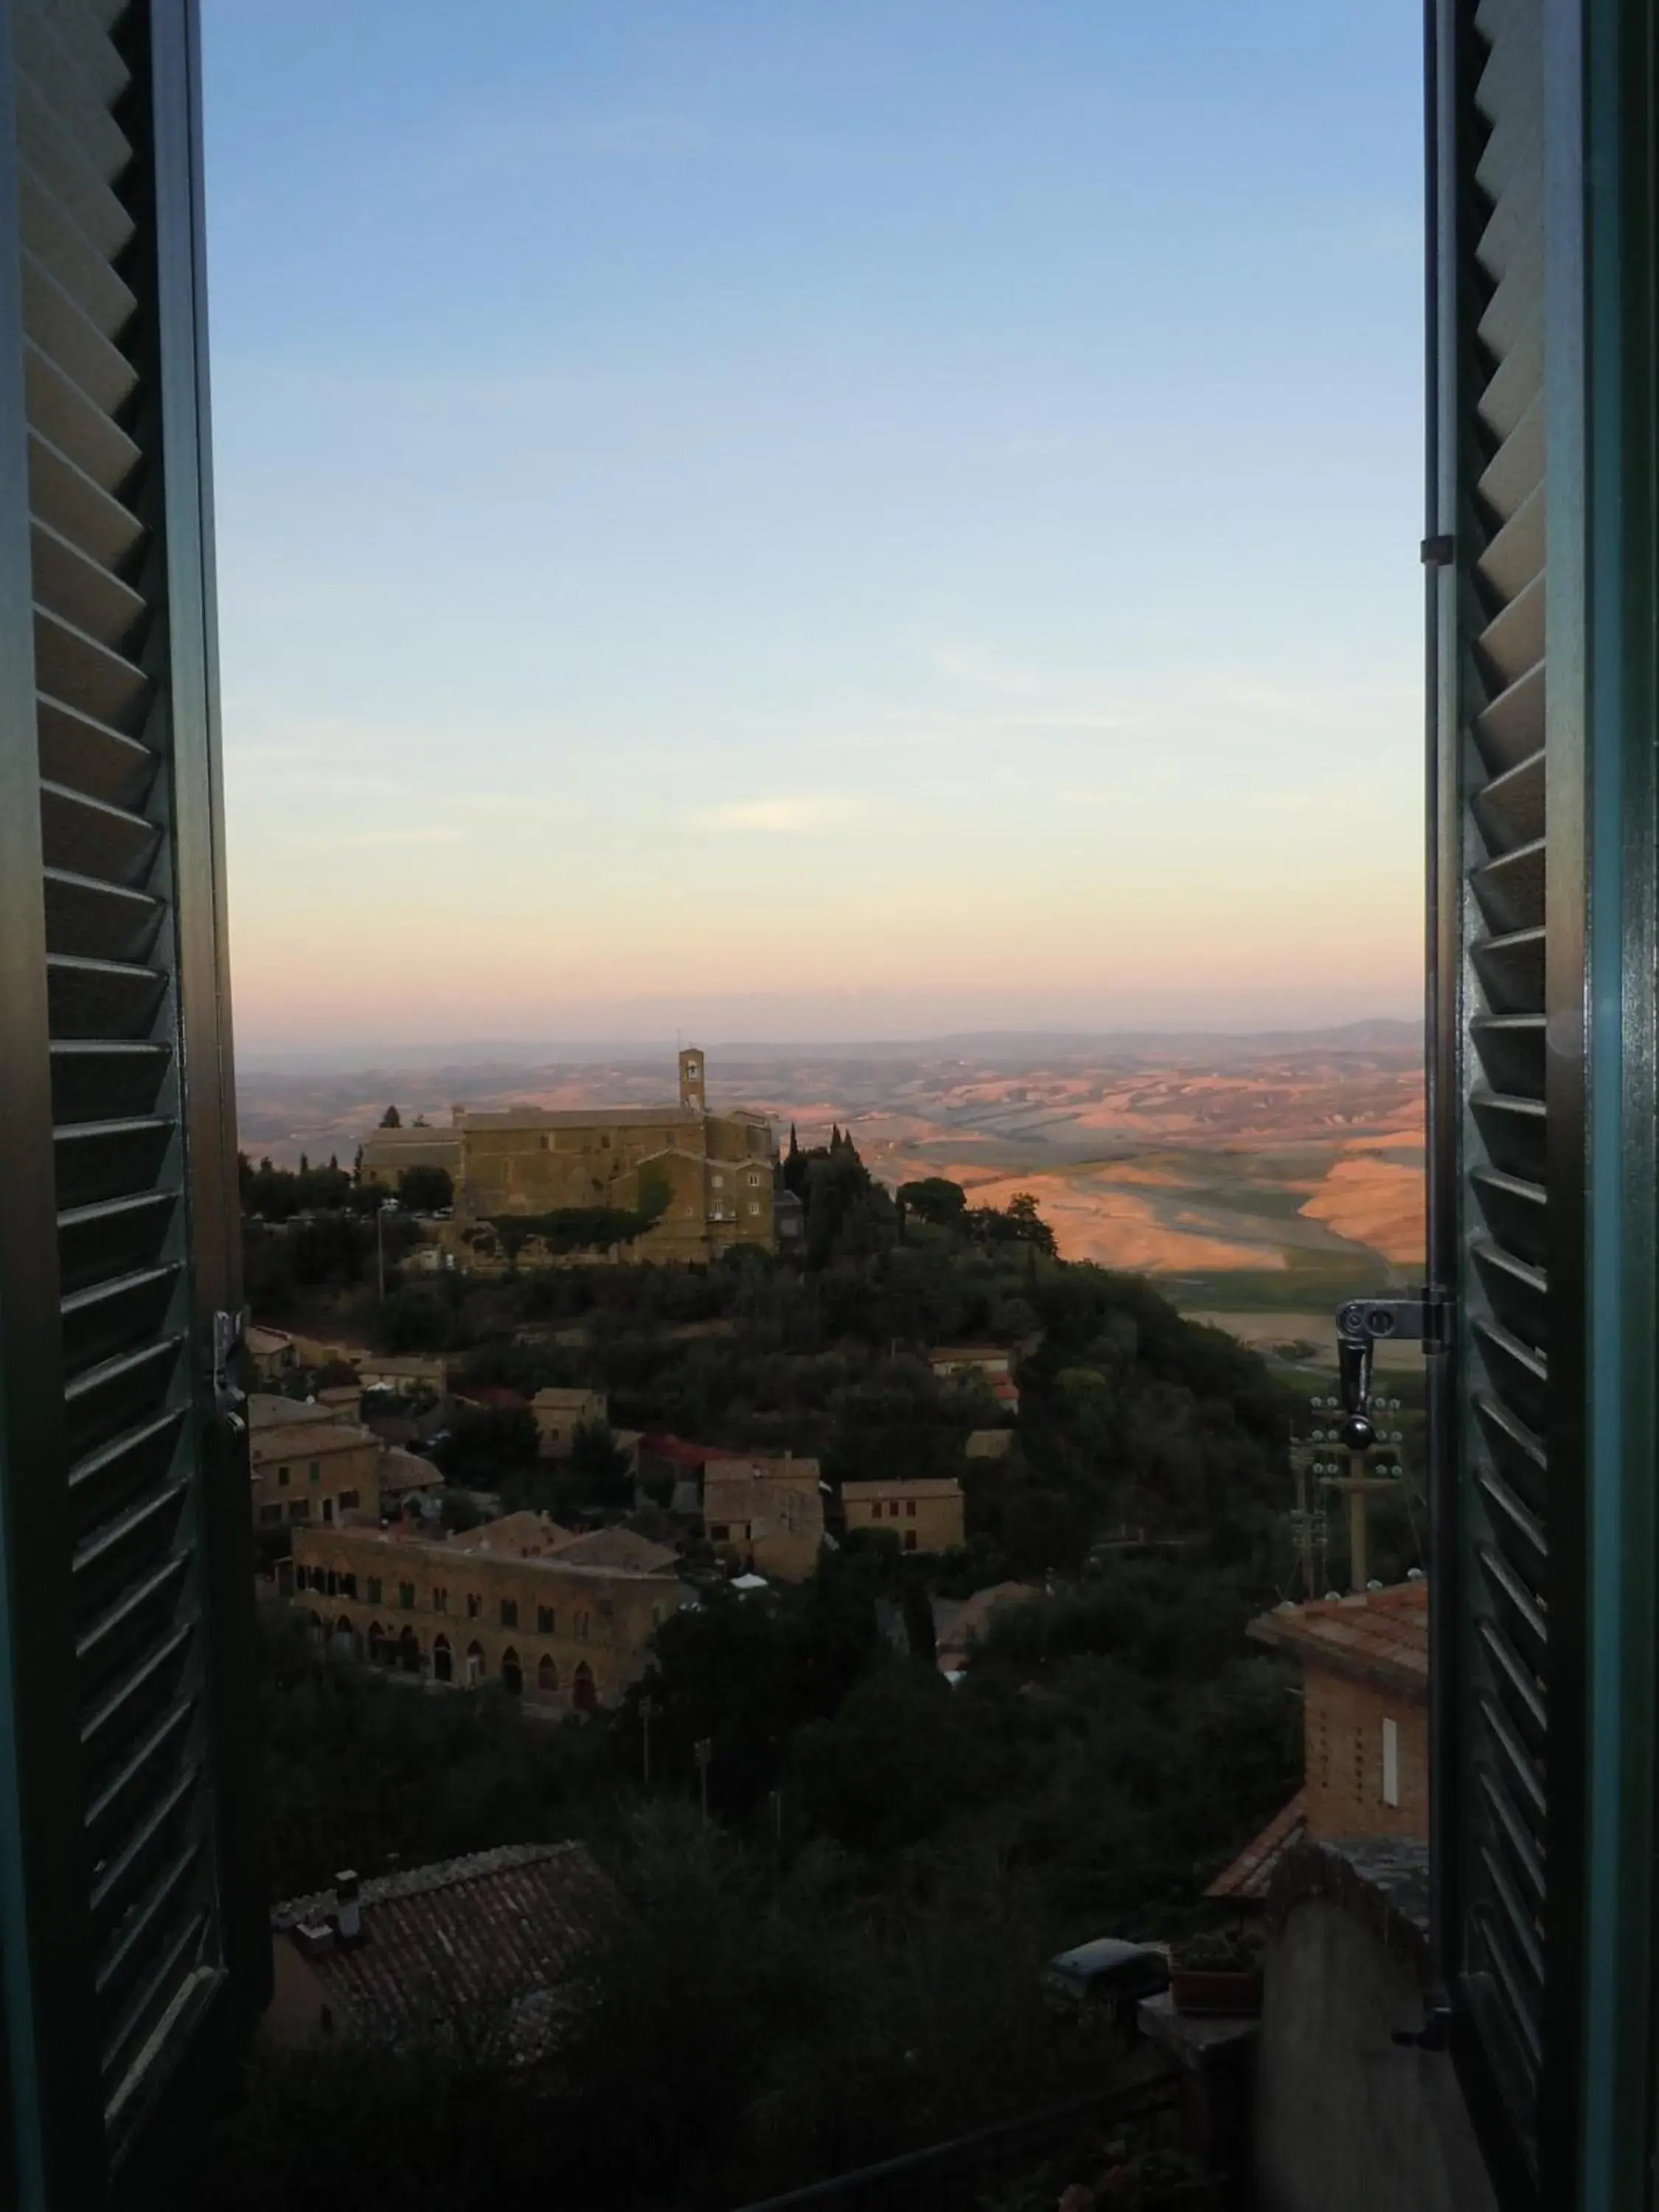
(130, 1914)
(1542, 1154)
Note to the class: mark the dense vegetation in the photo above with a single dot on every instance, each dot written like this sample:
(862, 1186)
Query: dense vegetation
(845, 1960)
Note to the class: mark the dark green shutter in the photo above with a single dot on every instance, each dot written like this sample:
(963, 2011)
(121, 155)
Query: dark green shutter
(1542, 647)
(131, 1926)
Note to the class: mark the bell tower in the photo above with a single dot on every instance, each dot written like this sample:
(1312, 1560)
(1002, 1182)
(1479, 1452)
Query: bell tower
(691, 1079)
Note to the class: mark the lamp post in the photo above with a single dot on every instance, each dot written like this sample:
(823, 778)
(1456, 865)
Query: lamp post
(386, 1206)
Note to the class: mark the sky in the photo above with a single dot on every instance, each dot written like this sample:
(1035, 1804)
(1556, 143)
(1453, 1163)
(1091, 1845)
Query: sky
(816, 519)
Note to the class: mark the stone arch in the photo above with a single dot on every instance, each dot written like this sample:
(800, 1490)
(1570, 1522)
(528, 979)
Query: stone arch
(409, 1652)
(475, 1663)
(443, 1661)
(583, 1695)
(379, 1645)
(547, 1674)
(511, 1672)
(345, 1638)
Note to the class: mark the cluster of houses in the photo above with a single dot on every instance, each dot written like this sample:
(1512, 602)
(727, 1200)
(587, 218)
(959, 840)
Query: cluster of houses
(349, 1506)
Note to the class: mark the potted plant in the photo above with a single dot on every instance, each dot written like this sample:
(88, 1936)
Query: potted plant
(1217, 1975)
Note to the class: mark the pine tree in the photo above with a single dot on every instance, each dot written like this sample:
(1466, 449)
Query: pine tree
(391, 1119)
(305, 1164)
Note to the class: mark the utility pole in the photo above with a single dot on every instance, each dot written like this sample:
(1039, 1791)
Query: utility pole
(1366, 1478)
(702, 1751)
(647, 1711)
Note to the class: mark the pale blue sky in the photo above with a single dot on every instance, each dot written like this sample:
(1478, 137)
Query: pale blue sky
(809, 519)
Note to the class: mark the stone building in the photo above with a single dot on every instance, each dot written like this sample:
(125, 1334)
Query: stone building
(565, 1621)
(560, 1414)
(1366, 1709)
(710, 1173)
(311, 1472)
(387, 1152)
(924, 1512)
(770, 1512)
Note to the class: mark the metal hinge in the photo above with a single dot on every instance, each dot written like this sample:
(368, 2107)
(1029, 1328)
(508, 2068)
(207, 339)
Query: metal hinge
(1439, 551)
(228, 1329)
(1423, 1317)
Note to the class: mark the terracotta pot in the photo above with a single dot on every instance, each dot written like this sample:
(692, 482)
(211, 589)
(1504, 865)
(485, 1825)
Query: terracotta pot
(1202, 1992)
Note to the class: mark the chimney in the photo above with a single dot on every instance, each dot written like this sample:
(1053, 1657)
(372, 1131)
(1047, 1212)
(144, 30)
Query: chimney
(349, 1917)
(313, 1937)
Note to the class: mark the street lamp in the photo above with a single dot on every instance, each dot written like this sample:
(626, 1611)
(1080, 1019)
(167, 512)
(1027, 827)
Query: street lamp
(386, 1206)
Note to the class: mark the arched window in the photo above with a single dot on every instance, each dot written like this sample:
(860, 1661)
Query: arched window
(474, 1662)
(314, 1630)
(345, 1638)
(583, 1696)
(379, 1645)
(409, 1652)
(511, 1672)
(443, 1664)
(547, 1674)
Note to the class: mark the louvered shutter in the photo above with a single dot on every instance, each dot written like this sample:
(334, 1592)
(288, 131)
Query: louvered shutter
(131, 1927)
(1545, 641)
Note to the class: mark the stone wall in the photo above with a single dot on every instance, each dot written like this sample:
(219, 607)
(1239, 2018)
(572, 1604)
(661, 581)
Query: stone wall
(1344, 2116)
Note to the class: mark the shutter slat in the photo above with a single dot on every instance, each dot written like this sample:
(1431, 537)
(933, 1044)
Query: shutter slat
(64, 496)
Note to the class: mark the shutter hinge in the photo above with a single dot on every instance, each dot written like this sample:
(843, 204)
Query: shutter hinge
(1438, 552)
(1423, 1318)
(227, 1333)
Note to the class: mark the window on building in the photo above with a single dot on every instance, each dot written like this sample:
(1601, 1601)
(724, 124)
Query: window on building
(316, 1470)
(406, 1596)
(330, 1584)
(910, 1508)
(300, 1510)
(374, 1589)
(546, 1622)
(269, 1515)
(440, 1600)
(720, 1532)
(719, 1181)
(349, 1586)
(582, 1628)
(754, 1206)
(474, 1607)
(1390, 1762)
(281, 1478)
(349, 1501)
(909, 1540)
(509, 1613)
(547, 1674)
(511, 1672)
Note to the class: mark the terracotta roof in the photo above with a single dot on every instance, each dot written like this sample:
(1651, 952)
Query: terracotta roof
(495, 1396)
(267, 1409)
(307, 1440)
(515, 1535)
(1248, 1876)
(503, 1928)
(958, 1624)
(623, 1548)
(660, 1444)
(1376, 1635)
(969, 1355)
(259, 1339)
(407, 1470)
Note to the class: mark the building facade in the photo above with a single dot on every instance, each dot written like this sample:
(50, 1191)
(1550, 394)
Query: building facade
(1364, 1662)
(314, 1473)
(925, 1514)
(770, 1512)
(710, 1174)
(560, 1414)
(563, 1621)
(387, 1153)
